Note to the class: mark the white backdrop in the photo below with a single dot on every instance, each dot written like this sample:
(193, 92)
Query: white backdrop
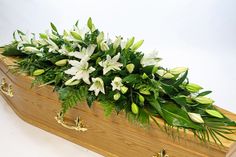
(198, 34)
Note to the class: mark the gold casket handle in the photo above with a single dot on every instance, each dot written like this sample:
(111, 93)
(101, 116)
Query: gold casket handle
(162, 153)
(79, 126)
(6, 88)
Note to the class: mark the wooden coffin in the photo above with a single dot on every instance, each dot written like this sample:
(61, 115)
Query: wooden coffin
(111, 137)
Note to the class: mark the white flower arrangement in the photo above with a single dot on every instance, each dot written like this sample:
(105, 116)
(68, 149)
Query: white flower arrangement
(123, 78)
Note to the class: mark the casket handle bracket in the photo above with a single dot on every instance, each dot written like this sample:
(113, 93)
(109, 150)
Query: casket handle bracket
(78, 126)
(162, 153)
(6, 88)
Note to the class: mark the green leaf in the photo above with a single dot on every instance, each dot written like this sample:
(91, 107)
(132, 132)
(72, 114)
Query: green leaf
(71, 96)
(168, 89)
(148, 69)
(214, 113)
(76, 23)
(108, 107)
(156, 105)
(174, 116)
(204, 93)
(54, 28)
(181, 79)
(11, 50)
(90, 99)
(59, 77)
(181, 100)
(132, 79)
(143, 117)
(90, 23)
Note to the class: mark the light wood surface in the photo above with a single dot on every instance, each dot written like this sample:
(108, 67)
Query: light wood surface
(111, 137)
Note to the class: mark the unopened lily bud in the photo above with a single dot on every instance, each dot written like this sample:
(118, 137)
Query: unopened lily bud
(141, 98)
(71, 82)
(168, 75)
(204, 100)
(134, 108)
(117, 42)
(90, 23)
(193, 88)
(116, 96)
(195, 117)
(100, 37)
(43, 36)
(61, 62)
(144, 76)
(214, 113)
(178, 70)
(144, 91)
(137, 45)
(130, 67)
(165, 74)
(123, 89)
(65, 33)
(38, 72)
(104, 46)
(98, 60)
(75, 35)
(129, 43)
(31, 49)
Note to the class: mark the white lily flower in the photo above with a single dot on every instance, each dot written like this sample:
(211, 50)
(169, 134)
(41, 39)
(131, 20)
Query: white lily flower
(85, 53)
(80, 70)
(23, 40)
(81, 32)
(52, 46)
(64, 50)
(42, 42)
(67, 36)
(50, 35)
(108, 40)
(151, 59)
(111, 63)
(97, 86)
(116, 83)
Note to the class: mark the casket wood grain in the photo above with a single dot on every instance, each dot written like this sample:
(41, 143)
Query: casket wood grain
(111, 137)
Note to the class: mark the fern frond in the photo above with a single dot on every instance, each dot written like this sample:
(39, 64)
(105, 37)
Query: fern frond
(71, 96)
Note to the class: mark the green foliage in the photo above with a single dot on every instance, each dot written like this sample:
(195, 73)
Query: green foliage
(132, 79)
(11, 50)
(54, 28)
(71, 96)
(108, 107)
(143, 93)
(174, 116)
